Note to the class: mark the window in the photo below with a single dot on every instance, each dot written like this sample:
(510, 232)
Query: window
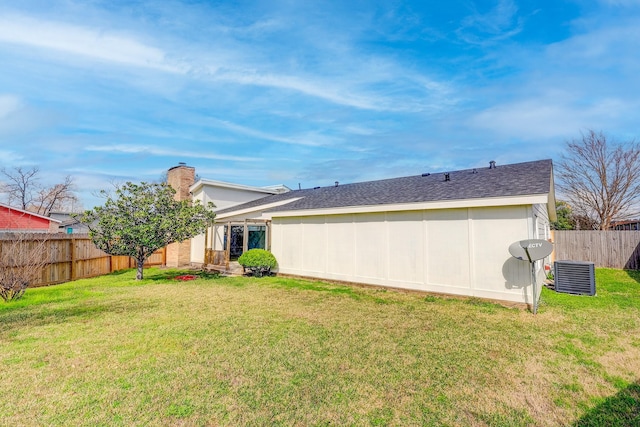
(256, 239)
(257, 236)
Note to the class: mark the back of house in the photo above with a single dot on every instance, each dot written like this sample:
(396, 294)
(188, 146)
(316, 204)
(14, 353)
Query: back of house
(445, 232)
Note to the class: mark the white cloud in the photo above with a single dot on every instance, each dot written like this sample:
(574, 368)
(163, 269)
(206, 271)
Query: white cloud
(311, 86)
(311, 140)
(9, 158)
(8, 105)
(608, 48)
(357, 83)
(88, 42)
(499, 23)
(157, 151)
(356, 129)
(547, 117)
(18, 117)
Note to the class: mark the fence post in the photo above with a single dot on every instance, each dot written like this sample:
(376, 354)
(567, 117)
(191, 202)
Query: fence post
(73, 259)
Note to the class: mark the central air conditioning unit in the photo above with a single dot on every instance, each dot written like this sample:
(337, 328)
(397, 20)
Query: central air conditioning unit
(575, 277)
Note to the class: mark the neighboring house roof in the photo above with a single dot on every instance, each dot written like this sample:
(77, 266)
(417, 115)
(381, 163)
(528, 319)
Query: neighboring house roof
(66, 220)
(626, 221)
(16, 219)
(520, 179)
(24, 212)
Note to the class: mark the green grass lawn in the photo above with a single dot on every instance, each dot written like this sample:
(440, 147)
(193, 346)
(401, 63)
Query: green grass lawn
(279, 351)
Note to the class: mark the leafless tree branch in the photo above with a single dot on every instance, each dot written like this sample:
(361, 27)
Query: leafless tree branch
(20, 185)
(23, 190)
(601, 180)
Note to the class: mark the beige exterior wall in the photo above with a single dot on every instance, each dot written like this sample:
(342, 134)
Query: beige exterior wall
(461, 251)
(222, 198)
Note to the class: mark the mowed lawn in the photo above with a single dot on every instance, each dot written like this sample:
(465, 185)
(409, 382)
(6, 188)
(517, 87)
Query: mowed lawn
(281, 351)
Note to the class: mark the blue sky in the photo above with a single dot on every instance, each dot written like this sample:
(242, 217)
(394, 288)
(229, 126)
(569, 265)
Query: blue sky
(288, 92)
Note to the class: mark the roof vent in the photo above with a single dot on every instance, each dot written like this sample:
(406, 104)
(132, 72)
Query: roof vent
(315, 188)
(474, 171)
(426, 174)
(492, 164)
(337, 183)
(447, 176)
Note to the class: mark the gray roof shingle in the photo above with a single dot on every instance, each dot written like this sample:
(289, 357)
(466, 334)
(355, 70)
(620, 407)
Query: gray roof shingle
(518, 179)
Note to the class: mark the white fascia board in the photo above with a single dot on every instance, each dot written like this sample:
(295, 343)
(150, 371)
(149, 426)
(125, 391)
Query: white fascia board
(259, 208)
(208, 182)
(442, 204)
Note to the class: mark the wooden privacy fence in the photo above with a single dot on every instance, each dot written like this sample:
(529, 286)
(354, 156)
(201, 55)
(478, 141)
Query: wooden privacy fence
(612, 248)
(74, 256)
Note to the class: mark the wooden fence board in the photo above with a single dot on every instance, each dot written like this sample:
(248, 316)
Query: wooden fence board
(74, 256)
(612, 248)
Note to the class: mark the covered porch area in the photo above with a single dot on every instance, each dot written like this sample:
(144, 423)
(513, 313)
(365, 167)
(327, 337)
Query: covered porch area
(226, 241)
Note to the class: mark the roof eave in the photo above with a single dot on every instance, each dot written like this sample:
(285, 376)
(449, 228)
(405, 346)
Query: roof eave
(259, 208)
(439, 204)
(11, 208)
(213, 183)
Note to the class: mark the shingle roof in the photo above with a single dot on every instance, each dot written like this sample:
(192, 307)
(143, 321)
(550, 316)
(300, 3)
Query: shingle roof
(518, 179)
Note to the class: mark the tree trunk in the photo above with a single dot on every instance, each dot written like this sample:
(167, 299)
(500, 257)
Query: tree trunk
(139, 274)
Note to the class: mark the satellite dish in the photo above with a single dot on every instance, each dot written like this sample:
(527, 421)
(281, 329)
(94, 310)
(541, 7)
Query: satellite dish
(531, 250)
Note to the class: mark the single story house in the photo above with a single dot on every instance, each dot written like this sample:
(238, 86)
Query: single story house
(68, 224)
(445, 232)
(19, 220)
(224, 195)
(633, 224)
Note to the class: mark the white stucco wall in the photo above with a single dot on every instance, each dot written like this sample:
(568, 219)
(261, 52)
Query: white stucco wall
(222, 198)
(542, 228)
(456, 251)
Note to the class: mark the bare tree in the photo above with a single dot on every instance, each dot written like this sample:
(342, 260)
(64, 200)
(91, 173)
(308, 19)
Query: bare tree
(57, 197)
(23, 189)
(601, 179)
(20, 186)
(23, 256)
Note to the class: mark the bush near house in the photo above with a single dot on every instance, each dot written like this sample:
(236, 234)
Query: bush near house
(258, 261)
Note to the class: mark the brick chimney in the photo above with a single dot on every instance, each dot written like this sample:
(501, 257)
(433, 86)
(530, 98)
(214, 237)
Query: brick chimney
(180, 177)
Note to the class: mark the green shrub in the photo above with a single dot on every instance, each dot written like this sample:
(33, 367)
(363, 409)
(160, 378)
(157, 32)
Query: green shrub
(258, 261)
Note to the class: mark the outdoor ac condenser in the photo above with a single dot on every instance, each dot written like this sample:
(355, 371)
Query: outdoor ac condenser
(575, 277)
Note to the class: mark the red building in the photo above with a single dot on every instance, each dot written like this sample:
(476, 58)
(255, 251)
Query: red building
(14, 219)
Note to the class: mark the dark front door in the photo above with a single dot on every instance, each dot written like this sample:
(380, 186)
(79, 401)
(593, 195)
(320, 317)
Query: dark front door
(237, 233)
